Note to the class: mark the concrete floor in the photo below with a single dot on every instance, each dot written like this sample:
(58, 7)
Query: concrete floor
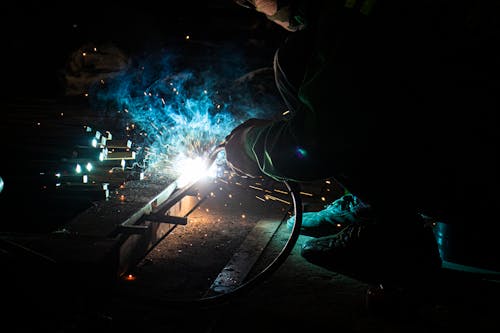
(168, 285)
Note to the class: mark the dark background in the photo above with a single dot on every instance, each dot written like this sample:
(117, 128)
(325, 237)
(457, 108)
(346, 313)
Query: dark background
(38, 37)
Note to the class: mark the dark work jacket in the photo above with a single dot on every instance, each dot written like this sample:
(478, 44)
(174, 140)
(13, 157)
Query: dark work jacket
(376, 85)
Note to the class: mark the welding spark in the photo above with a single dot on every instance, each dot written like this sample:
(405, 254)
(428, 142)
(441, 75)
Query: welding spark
(261, 199)
(272, 197)
(256, 188)
(180, 114)
(189, 128)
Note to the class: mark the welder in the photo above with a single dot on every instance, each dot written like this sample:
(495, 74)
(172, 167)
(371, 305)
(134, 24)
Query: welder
(397, 101)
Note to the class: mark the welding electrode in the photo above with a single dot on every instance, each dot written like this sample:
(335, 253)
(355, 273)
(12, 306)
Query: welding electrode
(294, 190)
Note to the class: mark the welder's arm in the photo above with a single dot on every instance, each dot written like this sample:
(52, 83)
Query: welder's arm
(316, 142)
(239, 156)
(283, 150)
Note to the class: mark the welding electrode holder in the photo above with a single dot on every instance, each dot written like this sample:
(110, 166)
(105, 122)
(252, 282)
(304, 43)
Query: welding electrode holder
(294, 190)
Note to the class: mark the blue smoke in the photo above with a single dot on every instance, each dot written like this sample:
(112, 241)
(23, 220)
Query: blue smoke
(179, 105)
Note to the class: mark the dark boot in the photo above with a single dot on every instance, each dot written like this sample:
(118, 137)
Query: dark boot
(378, 254)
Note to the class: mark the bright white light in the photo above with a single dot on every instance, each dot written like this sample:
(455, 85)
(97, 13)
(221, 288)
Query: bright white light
(94, 142)
(212, 171)
(191, 170)
(88, 166)
(78, 168)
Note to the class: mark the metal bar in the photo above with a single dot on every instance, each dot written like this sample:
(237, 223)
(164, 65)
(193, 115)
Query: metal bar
(152, 206)
(133, 229)
(120, 155)
(119, 143)
(158, 218)
(238, 267)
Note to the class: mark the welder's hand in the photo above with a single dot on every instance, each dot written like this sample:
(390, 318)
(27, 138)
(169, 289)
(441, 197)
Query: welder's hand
(237, 157)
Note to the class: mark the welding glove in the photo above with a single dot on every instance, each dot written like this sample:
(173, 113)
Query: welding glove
(239, 155)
